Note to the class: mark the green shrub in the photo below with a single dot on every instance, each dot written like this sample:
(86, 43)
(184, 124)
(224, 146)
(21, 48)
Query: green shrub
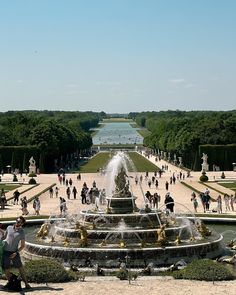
(122, 274)
(32, 181)
(47, 270)
(204, 270)
(203, 177)
(15, 177)
(222, 175)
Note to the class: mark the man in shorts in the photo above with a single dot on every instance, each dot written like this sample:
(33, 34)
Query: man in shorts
(14, 243)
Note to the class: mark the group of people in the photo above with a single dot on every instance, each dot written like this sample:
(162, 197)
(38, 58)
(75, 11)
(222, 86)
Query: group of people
(206, 200)
(154, 200)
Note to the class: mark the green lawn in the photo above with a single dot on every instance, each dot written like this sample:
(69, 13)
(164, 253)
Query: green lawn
(101, 159)
(93, 165)
(8, 187)
(141, 164)
(231, 185)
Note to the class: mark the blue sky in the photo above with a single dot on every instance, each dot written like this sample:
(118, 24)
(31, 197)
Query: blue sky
(117, 55)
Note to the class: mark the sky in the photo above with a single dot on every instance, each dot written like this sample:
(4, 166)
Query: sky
(117, 56)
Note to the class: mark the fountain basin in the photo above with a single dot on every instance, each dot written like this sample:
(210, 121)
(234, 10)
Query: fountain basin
(110, 257)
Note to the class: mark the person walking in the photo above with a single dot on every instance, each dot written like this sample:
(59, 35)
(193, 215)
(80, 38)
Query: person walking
(16, 196)
(36, 205)
(56, 191)
(68, 192)
(24, 206)
(169, 202)
(51, 192)
(219, 204)
(226, 199)
(167, 185)
(232, 201)
(14, 243)
(3, 199)
(74, 190)
(63, 206)
(194, 201)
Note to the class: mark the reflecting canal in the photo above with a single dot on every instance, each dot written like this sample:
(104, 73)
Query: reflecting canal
(117, 133)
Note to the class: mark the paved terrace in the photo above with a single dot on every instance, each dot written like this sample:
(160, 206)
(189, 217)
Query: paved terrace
(180, 193)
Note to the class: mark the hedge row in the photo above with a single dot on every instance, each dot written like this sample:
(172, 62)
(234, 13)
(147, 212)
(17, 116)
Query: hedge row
(18, 157)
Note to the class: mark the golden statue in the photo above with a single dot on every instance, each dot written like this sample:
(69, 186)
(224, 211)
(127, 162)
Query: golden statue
(83, 237)
(161, 235)
(103, 243)
(108, 210)
(66, 242)
(43, 231)
(143, 243)
(178, 240)
(122, 244)
(204, 231)
(192, 238)
(77, 225)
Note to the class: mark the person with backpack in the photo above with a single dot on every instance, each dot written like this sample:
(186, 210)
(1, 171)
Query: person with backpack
(14, 243)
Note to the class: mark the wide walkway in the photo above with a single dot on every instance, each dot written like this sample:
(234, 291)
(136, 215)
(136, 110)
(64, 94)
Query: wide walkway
(180, 193)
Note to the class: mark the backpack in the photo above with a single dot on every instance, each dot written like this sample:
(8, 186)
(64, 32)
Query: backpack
(14, 283)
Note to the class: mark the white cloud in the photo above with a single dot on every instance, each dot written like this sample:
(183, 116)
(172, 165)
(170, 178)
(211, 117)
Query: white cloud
(177, 81)
(19, 81)
(71, 85)
(189, 85)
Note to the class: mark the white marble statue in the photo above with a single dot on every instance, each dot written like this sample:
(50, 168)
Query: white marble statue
(205, 165)
(32, 166)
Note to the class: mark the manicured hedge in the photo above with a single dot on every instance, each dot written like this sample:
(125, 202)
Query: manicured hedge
(204, 270)
(220, 155)
(47, 270)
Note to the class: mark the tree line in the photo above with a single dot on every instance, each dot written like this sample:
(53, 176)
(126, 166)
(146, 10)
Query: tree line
(57, 135)
(184, 132)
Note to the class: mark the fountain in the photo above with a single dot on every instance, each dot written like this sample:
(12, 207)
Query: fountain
(106, 236)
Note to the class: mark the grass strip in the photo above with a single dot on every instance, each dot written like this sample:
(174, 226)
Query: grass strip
(142, 164)
(100, 160)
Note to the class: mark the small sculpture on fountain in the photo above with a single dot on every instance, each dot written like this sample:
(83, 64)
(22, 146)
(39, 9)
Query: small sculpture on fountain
(103, 243)
(143, 243)
(203, 229)
(83, 237)
(66, 242)
(161, 235)
(43, 231)
(122, 186)
(77, 225)
(122, 243)
(178, 240)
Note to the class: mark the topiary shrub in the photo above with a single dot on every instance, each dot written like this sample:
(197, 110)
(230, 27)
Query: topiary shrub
(47, 270)
(222, 175)
(15, 177)
(204, 270)
(32, 181)
(203, 177)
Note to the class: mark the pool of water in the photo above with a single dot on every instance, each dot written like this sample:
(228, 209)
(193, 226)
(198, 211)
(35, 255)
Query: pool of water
(117, 133)
(228, 231)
